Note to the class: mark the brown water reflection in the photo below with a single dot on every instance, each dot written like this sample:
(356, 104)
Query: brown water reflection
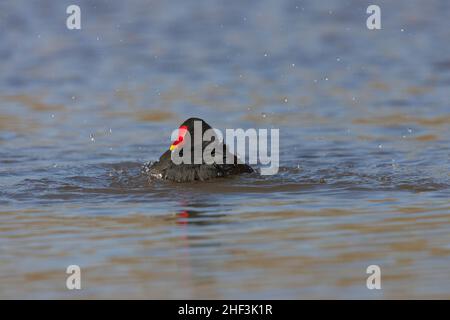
(364, 173)
(139, 255)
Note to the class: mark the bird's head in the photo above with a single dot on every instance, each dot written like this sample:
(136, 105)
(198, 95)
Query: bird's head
(186, 127)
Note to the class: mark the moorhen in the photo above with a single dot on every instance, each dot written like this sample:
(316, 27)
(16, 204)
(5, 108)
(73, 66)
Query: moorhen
(166, 169)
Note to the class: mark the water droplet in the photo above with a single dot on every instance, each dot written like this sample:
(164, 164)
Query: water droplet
(285, 100)
(380, 146)
(263, 114)
(92, 137)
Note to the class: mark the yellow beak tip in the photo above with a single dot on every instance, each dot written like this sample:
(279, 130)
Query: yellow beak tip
(172, 147)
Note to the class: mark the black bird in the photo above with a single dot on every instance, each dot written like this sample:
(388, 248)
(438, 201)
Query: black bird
(165, 168)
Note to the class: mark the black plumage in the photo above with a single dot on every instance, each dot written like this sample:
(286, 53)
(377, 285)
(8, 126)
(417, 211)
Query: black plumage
(164, 168)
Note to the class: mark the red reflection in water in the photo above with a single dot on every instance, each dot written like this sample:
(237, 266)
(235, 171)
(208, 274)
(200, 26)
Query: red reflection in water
(182, 217)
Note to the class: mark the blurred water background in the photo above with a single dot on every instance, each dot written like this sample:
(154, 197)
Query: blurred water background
(364, 121)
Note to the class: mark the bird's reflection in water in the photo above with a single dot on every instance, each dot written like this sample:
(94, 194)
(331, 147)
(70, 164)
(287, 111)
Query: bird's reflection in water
(182, 217)
(195, 267)
(203, 216)
(197, 218)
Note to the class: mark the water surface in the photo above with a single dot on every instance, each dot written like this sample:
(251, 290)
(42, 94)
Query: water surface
(364, 121)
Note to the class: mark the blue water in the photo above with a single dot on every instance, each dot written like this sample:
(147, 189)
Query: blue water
(364, 122)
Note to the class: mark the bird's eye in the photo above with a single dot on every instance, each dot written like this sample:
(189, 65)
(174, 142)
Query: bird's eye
(181, 133)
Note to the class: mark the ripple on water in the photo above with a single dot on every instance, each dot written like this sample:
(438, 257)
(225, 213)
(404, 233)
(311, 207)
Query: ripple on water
(364, 136)
(126, 180)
